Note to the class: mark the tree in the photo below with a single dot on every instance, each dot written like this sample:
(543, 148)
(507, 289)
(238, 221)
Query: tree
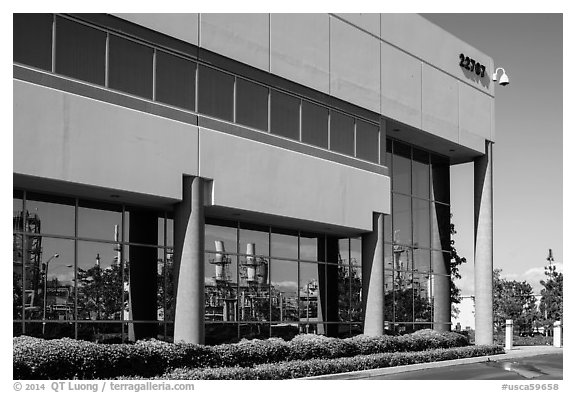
(455, 262)
(551, 304)
(513, 300)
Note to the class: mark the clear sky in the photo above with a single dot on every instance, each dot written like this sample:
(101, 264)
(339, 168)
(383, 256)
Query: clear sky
(528, 150)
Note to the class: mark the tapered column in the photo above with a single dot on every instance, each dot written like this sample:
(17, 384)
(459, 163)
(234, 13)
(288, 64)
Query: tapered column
(373, 277)
(441, 267)
(483, 260)
(189, 263)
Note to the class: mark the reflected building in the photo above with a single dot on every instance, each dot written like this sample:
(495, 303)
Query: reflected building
(207, 178)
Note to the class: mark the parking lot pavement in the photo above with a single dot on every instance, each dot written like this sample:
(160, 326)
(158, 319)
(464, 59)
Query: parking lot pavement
(529, 362)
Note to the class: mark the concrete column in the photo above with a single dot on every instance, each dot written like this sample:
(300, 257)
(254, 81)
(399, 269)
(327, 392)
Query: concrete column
(558, 334)
(373, 277)
(189, 263)
(509, 334)
(483, 260)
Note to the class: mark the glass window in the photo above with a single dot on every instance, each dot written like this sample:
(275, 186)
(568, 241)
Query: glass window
(344, 293)
(440, 179)
(101, 291)
(251, 104)
(130, 67)
(285, 115)
(33, 40)
(56, 264)
(356, 251)
(311, 299)
(220, 287)
(422, 288)
(221, 237)
(50, 330)
(284, 291)
(344, 251)
(401, 178)
(422, 260)
(420, 174)
(215, 93)
(17, 276)
(440, 226)
(383, 144)
(51, 215)
(402, 218)
(421, 222)
(166, 284)
(366, 141)
(106, 333)
(404, 298)
(175, 81)
(341, 133)
(314, 124)
(99, 221)
(355, 293)
(219, 333)
(309, 245)
(440, 262)
(284, 244)
(80, 51)
(388, 228)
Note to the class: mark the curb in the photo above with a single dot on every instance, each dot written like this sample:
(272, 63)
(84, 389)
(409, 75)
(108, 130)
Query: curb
(514, 353)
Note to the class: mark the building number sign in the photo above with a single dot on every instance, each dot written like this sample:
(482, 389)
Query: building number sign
(472, 65)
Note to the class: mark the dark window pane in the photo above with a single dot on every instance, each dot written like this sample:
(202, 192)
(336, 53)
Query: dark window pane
(383, 144)
(420, 174)
(80, 51)
(440, 179)
(401, 179)
(285, 115)
(251, 104)
(130, 67)
(341, 133)
(33, 40)
(175, 80)
(314, 124)
(367, 141)
(421, 218)
(215, 93)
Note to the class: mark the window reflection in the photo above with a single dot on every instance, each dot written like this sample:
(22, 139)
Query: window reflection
(421, 224)
(422, 288)
(220, 287)
(284, 291)
(402, 218)
(309, 245)
(310, 297)
(356, 251)
(55, 215)
(284, 244)
(99, 221)
(401, 168)
(100, 282)
(420, 174)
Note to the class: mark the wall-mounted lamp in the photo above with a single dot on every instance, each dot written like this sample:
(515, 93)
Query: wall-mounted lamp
(503, 79)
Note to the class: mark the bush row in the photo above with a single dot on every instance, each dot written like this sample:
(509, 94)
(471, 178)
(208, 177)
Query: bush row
(35, 358)
(314, 367)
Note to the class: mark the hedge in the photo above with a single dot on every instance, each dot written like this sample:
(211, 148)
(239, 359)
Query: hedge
(35, 358)
(314, 367)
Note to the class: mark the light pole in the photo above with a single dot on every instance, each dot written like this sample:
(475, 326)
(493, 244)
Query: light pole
(45, 268)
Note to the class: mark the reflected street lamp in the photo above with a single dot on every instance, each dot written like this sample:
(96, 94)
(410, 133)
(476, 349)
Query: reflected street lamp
(45, 268)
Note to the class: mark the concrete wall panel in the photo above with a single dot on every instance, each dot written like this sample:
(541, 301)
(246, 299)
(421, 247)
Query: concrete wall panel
(423, 39)
(475, 111)
(181, 26)
(300, 49)
(66, 137)
(242, 37)
(439, 103)
(354, 65)
(401, 86)
(368, 22)
(261, 178)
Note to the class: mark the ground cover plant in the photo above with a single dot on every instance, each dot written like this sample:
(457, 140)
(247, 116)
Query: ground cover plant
(35, 358)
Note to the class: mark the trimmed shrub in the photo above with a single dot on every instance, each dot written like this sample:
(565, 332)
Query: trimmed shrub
(314, 367)
(35, 358)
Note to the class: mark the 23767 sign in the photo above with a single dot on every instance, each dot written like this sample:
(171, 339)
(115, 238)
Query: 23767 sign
(472, 65)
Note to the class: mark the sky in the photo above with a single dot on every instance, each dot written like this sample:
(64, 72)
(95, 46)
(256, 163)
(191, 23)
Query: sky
(528, 153)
